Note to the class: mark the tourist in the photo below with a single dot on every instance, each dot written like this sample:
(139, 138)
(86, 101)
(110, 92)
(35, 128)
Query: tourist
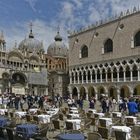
(132, 107)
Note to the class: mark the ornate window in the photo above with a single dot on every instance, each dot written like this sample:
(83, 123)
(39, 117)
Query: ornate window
(84, 51)
(137, 39)
(108, 46)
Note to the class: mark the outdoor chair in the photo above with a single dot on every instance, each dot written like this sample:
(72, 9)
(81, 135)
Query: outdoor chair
(129, 122)
(69, 116)
(69, 125)
(136, 132)
(104, 132)
(119, 135)
(102, 122)
(12, 135)
(36, 119)
(94, 136)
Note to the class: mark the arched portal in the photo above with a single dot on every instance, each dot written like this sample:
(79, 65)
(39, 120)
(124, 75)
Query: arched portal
(137, 91)
(91, 92)
(74, 93)
(113, 93)
(83, 93)
(18, 78)
(124, 92)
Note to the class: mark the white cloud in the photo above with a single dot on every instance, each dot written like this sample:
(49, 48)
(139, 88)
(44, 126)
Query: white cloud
(42, 31)
(73, 14)
(32, 4)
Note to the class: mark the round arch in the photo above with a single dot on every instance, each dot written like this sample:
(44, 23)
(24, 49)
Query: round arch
(19, 78)
(83, 92)
(124, 91)
(91, 92)
(112, 92)
(75, 93)
(136, 91)
(101, 91)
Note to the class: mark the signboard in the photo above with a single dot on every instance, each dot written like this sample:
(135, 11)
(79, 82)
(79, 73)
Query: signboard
(18, 90)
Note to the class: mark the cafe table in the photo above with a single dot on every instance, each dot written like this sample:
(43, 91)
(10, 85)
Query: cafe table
(71, 137)
(125, 129)
(27, 130)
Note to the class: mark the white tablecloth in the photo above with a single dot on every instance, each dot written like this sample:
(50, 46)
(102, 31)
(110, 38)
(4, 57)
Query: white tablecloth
(2, 111)
(20, 113)
(75, 115)
(93, 110)
(123, 129)
(76, 123)
(53, 111)
(73, 108)
(33, 110)
(119, 114)
(74, 111)
(100, 114)
(44, 118)
(134, 118)
(108, 121)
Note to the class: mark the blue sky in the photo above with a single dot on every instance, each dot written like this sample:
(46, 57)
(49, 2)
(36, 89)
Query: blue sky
(47, 15)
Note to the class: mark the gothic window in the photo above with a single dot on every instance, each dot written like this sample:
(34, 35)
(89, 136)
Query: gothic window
(84, 51)
(137, 39)
(108, 46)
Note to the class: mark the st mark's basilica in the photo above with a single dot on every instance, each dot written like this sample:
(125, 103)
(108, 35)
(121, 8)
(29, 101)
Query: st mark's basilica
(28, 69)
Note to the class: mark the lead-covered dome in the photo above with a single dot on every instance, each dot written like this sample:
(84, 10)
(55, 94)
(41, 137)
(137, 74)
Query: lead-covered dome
(31, 44)
(57, 48)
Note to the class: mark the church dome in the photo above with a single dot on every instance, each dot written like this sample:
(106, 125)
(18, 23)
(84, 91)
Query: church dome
(31, 44)
(57, 48)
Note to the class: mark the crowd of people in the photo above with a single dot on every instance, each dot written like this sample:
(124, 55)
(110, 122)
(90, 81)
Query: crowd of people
(30, 101)
(105, 104)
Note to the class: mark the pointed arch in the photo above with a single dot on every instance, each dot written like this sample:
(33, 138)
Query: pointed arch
(84, 51)
(108, 46)
(137, 39)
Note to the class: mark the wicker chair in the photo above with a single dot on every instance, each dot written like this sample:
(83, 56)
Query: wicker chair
(69, 126)
(95, 136)
(136, 131)
(36, 119)
(104, 132)
(102, 122)
(129, 122)
(119, 135)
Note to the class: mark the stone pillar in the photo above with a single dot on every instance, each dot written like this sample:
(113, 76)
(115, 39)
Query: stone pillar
(91, 76)
(78, 95)
(82, 78)
(131, 75)
(106, 77)
(138, 75)
(101, 79)
(86, 96)
(74, 78)
(118, 94)
(70, 78)
(124, 76)
(86, 76)
(112, 76)
(35, 91)
(118, 76)
(96, 96)
(95, 77)
(78, 78)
